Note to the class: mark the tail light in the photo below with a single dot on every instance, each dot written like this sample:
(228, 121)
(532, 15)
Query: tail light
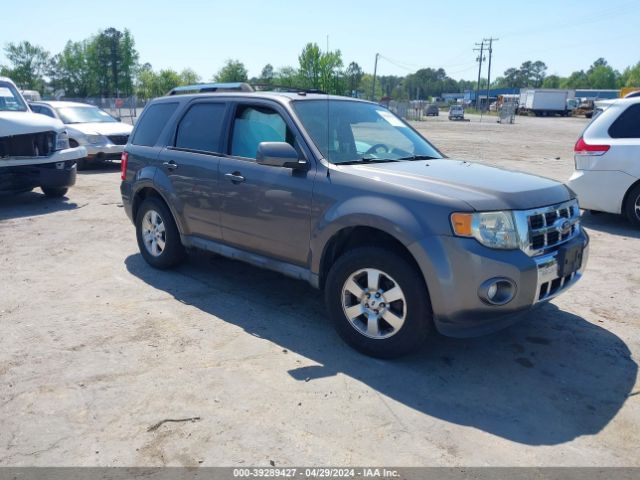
(583, 148)
(124, 159)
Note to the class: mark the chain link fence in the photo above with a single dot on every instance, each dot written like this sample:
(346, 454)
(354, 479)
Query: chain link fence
(127, 109)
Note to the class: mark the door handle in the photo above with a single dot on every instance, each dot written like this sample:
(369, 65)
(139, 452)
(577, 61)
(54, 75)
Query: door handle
(171, 165)
(235, 177)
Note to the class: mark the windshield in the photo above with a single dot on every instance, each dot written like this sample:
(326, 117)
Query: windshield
(10, 99)
(346, 131)
(86, 114)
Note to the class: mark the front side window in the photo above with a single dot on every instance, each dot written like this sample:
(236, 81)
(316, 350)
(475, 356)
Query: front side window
(627, 125)
(253, 125)
(88, 114)
(348, 131)
(201, 128)
(10, 99)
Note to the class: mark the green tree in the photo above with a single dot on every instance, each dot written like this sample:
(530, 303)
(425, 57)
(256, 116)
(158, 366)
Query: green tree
(287, 77)
(577, 79)
(166, 80)
(232, 71)
(321, 70)
(189, 77)
(601, 75)
(147, 82)
(70, 71)
(353, 76)
(29, 64)
(112, 58)
(631, 76)
(552, 81)
(267, 74)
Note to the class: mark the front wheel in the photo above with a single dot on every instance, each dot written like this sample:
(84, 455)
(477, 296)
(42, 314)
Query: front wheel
(378, 302)
(54, 192)
(157, 235)
(632, 206)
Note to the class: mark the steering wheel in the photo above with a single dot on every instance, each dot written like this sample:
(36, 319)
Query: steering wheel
(375, 149)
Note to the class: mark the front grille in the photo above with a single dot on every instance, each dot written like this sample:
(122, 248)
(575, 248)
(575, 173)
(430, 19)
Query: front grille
(41, 144)
(553, 287)
(551, 226)
(119, 139)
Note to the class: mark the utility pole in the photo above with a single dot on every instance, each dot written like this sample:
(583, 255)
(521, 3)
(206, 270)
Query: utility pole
(373, 87)
(490, 40)
(479, 60)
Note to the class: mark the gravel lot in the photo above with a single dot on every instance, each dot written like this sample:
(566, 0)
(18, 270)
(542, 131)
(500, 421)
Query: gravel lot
(97, 348)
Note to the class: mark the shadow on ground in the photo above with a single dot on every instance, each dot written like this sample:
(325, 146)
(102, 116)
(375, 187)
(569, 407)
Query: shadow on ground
(99, 167)
(609, 223)
(546, 380)
(31, 204)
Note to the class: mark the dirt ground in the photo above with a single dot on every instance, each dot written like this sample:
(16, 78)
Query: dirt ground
(97, 348)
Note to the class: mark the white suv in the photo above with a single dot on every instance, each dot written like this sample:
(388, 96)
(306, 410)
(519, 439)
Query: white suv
(607, 161)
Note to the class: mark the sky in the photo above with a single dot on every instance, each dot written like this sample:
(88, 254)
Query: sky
(567, 35)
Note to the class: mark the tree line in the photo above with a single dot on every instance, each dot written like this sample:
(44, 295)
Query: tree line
(107, 65)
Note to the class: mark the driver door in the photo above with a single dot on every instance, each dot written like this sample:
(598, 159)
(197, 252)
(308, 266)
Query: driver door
(264, 209)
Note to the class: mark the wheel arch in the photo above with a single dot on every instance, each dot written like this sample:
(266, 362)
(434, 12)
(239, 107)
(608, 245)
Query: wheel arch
(354, 236)
(147, 191)
(626, 195)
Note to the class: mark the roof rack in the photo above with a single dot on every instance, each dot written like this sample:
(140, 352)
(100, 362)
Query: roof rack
(211, 87)
(263, 87)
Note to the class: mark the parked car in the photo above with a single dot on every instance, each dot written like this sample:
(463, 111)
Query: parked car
(31, 95)
(456, 112)
(432, 110)
(102, 135)
(34, 150)
(345, 195)
(607, 161)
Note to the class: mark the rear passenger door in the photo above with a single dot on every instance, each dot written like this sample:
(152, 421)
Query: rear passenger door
(190, 163)
(265, 209)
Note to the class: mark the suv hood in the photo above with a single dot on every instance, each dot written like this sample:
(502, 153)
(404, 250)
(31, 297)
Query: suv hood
(22, 123)
(101, 128)
(481, 186)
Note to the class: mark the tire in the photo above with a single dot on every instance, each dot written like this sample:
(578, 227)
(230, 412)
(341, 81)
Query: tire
(54, 192)
(632, 206)
(157, 235)
(410, 312)
(81, 163)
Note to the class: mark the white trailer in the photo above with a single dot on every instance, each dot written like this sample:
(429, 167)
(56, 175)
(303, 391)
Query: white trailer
(545, 101)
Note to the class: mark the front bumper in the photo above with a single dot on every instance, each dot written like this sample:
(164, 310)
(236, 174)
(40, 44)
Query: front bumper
(27, 177)
(104, 152)
(455, 268)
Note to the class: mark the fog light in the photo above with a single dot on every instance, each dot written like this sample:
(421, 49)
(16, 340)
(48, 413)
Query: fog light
(497, 291)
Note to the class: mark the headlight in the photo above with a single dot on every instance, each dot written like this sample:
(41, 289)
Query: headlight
(62, 141)
(491, 229)
(95, 139)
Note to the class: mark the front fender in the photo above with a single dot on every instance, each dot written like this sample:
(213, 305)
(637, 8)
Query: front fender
(364, 211)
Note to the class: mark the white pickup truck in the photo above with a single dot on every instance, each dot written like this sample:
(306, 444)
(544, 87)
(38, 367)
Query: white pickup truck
(34, 149)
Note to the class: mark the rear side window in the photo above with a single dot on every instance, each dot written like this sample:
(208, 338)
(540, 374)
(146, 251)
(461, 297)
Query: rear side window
(201, 128)
(152, 122)
(627, 125)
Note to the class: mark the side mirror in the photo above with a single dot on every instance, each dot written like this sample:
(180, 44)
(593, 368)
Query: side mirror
(279, 154)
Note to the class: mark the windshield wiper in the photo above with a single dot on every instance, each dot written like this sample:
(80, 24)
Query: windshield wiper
(367, 160)
(418, 157)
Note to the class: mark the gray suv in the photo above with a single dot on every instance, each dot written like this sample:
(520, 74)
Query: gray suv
(343, 194)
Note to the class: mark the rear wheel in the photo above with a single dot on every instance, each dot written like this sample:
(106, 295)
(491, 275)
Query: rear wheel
(55, 192)
(632, 206)
(157, 235)
(378, 302)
